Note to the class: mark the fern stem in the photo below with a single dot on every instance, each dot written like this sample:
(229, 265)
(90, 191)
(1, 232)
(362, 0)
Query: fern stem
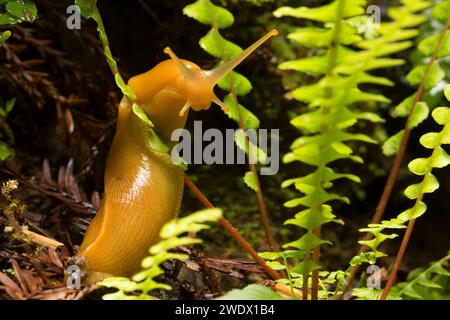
(393, 174)
(232, 230)
(305, 276)
(328, 94)
(273, 246)
(409, 229)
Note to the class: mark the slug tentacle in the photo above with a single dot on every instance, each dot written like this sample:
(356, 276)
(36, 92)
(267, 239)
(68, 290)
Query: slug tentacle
(218, 73)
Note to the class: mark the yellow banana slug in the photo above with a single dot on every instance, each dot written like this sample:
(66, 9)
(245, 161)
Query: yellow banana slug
(143, 189)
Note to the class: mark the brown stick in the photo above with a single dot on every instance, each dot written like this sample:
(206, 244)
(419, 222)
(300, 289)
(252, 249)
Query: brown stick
(400, 155)
(273, 246)
(231, 230)
(398, 259)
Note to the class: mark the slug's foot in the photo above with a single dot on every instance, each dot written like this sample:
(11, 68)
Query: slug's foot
(94, 276)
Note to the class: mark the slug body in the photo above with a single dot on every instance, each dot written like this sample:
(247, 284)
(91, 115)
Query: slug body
(143, 188)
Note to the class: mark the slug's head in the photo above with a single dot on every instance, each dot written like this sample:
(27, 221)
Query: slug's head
(197, 85)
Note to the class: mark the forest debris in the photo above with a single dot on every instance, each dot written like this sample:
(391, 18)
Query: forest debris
(285, 290)
(42, 240)
(11, 288)
(63, 293)
(223, 265)
(66, 189)
(27, 281)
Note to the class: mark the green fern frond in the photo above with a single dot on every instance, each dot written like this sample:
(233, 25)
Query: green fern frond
(205, 12)
(341, 70)
(427, 75)
(142, 283)
(428, 284)
(421, 167)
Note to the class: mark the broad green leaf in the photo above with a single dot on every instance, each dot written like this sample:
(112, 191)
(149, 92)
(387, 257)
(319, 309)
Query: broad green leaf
(428, 45)
(441, 11)
(309, 219)
(386, 48)
(300, 267)
(428, 283)
(114, 282)
(156, 143)
(281, 255)
(307, 242)
(218, 46)
(254, 152)
(19, 11)
(391, 145)
(370, 116)
(126, 90)
(365, 257)
(441, 115)
(10, 105)
(325, 13)
(430, 140)
(270, 255)
(190, 223)
(166, 245)
(379, 238)
(313, 65)
(420, 113)
(413, 213)
(250, 121)
(5, 151)
(275, 265)
(402, 110)
(250, 181)
(405, 19)
(87, 7)
(207, 13)
(4, 36)
(447, 92)
(441, 158)
(241, 84)
(318, 37)
(140, 113)
(438, 268)
(251, 292)
(428, 185)
(371, 294)
(409, 291)
(435, 74)
(419, 166)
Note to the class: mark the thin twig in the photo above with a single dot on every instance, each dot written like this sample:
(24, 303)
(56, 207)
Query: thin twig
(231, 230)
(273, 246)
